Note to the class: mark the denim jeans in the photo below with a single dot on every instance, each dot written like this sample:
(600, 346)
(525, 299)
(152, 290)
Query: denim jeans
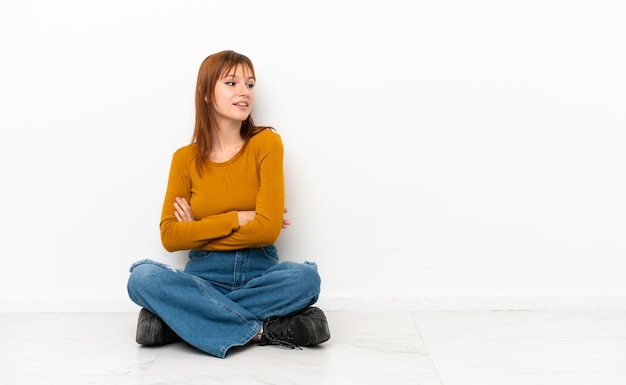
(220, 299)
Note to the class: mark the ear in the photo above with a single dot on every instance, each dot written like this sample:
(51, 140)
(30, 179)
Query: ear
(206, 99)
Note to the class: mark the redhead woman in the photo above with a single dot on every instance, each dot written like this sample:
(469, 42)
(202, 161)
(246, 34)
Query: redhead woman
(224, 203)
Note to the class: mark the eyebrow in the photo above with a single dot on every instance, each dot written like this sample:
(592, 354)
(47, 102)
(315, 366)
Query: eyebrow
(234, 76)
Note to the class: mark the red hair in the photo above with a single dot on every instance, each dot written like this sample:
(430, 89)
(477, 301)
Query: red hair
(211, 71)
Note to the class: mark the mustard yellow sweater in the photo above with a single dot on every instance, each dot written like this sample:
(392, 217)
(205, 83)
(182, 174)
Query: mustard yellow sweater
(251, 180)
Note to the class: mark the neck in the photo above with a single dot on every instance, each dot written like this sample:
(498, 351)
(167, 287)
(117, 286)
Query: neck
(225, 143)
(226, 135)
(223, 140)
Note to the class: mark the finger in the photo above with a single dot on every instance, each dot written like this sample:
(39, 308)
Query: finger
(180, 202)
(187, 207)
(184, 209)
(181, 214)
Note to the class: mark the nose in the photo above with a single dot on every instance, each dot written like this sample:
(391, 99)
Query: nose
(244, 89)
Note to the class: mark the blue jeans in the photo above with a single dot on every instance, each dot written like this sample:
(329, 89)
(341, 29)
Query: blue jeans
(220, 299)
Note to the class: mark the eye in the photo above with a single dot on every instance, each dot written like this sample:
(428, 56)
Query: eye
(250, 85)
(229, 83)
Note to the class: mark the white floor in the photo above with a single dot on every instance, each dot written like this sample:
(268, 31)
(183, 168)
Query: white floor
(449, 348)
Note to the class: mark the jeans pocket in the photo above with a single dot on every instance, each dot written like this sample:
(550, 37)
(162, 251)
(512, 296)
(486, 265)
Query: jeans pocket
(270, 252)
(199, 255)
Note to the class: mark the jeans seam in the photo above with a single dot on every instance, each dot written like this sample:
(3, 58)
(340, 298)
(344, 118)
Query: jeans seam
(253, 325)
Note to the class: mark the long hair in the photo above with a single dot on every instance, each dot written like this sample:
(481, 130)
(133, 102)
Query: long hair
(211, 71)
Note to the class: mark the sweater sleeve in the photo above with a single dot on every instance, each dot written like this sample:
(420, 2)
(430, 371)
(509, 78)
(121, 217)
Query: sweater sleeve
(189, 235)
(266, 226)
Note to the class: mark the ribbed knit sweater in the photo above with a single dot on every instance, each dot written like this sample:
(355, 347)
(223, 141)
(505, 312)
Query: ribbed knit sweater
(252, 180)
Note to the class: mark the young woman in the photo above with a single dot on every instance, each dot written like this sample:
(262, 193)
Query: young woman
(225, 203)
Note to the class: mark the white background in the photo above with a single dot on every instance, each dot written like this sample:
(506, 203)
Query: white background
(451, 153)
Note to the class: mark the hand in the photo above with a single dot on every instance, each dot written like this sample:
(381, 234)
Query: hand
(286, 222)
(246, 216)
(183, 210)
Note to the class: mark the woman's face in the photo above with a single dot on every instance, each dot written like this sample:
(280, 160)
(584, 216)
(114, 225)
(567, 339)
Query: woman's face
(234, 94)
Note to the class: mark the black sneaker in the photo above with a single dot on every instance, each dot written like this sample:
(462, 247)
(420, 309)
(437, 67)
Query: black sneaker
(152, 331)
(307, 328)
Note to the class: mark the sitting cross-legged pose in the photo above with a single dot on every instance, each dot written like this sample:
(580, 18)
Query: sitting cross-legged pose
(225, 204)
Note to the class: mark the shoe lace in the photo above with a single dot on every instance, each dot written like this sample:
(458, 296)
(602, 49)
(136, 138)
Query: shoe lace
(278, 337)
